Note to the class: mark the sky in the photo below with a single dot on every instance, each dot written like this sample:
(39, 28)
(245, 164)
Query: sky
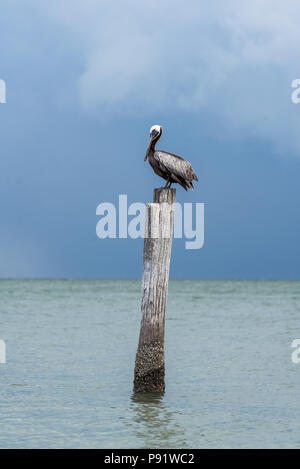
(85, 82)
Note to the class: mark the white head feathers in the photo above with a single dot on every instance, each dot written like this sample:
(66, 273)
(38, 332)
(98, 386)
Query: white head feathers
(155, 127)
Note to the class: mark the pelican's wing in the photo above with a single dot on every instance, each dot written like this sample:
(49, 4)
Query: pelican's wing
(178, 166)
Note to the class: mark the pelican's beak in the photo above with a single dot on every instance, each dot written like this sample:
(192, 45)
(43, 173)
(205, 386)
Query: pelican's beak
(148, 149)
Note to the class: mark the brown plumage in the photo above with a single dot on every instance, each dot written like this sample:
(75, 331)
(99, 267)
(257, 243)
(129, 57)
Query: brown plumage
(172, 168)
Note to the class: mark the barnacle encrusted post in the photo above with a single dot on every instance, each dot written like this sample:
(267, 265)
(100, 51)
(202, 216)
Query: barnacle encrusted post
(149, 374)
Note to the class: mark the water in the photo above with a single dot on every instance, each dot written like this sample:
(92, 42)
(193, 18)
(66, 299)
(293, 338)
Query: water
(70, 355)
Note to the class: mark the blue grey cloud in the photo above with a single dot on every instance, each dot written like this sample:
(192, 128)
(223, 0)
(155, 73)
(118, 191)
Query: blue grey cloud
(85, 82)
(235, 60)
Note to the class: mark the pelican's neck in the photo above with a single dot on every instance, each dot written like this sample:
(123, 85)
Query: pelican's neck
(151, 149)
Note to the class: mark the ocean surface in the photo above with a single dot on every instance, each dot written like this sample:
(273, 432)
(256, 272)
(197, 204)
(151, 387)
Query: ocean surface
(230, 380)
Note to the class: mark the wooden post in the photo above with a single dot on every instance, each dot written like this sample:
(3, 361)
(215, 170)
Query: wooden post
(149, 373)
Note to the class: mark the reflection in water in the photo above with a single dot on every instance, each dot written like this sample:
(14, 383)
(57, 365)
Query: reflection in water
(155, 425)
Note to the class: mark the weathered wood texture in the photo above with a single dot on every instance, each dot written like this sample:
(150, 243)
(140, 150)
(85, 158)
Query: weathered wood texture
(149, 374)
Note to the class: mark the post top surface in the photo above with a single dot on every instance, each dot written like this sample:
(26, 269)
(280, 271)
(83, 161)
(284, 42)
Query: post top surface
(165, 194)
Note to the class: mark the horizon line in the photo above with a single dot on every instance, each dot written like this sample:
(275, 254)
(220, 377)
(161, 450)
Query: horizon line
(139, 278)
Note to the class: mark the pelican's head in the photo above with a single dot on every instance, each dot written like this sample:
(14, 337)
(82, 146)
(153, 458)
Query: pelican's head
(155, 134)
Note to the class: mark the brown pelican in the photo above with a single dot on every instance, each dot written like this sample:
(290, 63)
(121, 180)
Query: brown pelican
(173, 168)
